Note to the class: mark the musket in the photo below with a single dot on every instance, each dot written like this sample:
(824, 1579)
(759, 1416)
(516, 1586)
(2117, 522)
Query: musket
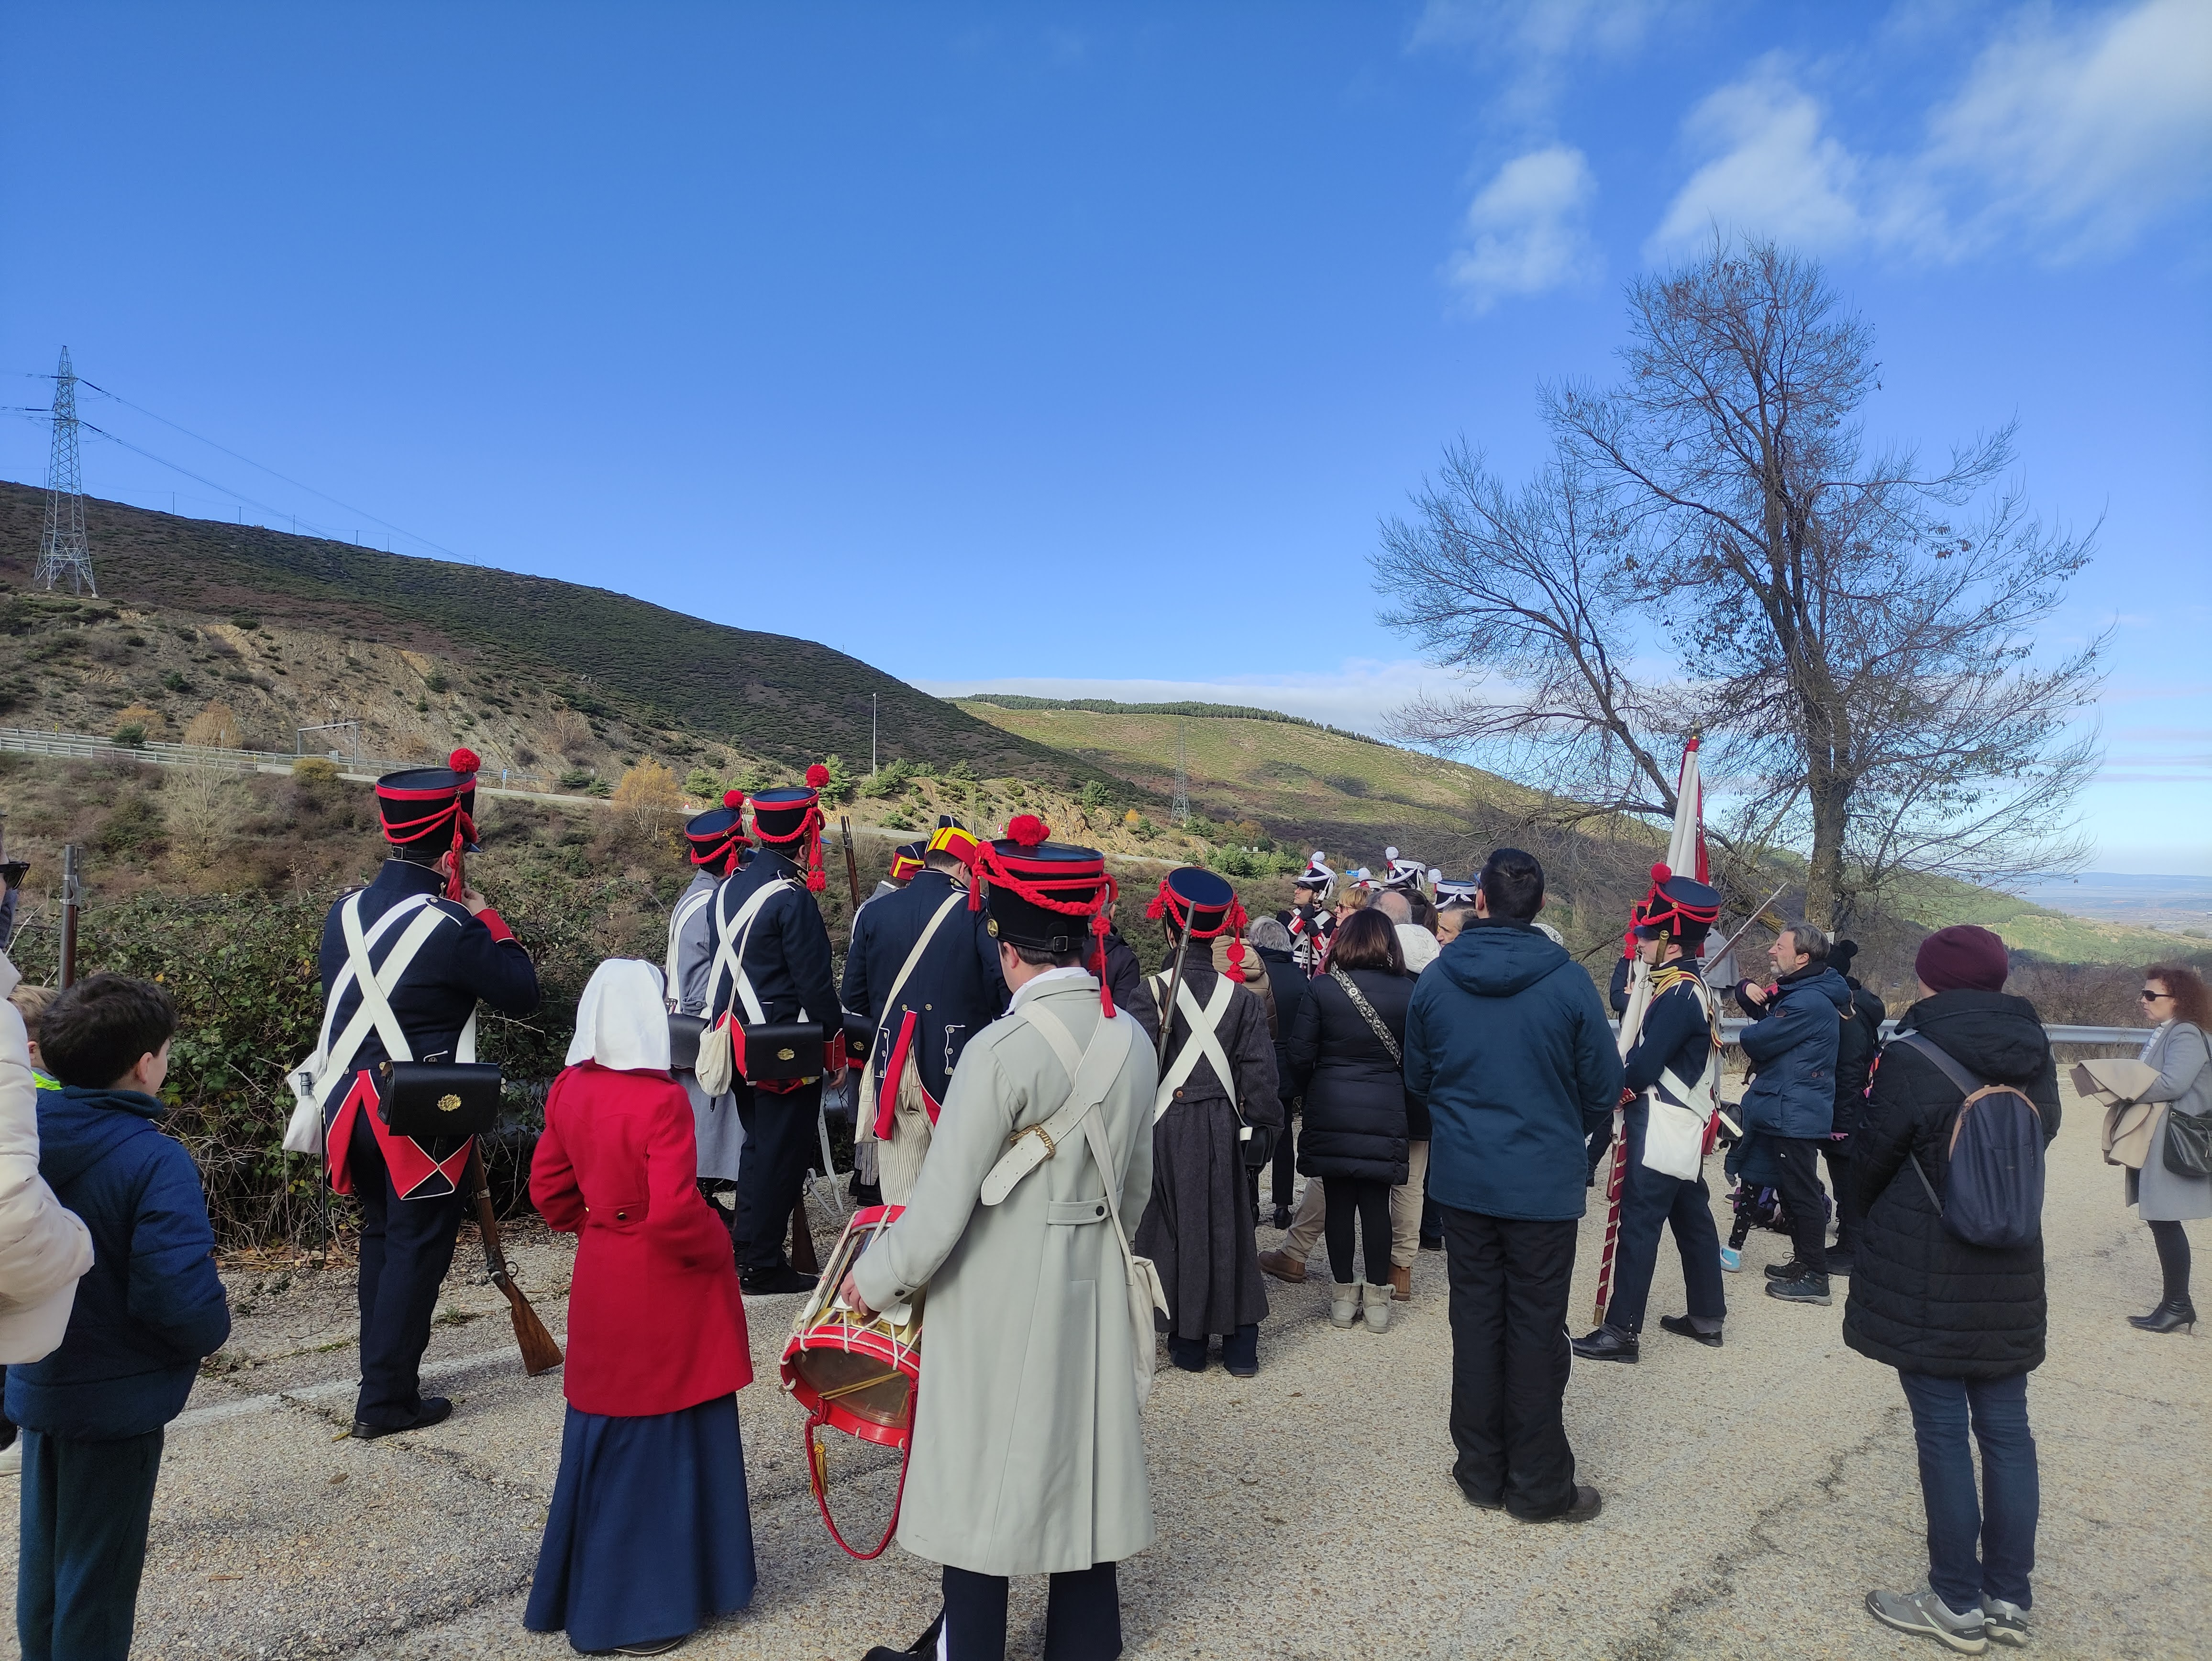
(1759, 915)
(1175, 987)
(852, 865)
(539, 1352)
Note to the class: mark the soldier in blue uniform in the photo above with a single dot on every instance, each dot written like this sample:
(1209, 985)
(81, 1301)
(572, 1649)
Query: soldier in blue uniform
(919, 1010)
(783, 952)
(718, 845)
(1675, 1048)
(435, 946)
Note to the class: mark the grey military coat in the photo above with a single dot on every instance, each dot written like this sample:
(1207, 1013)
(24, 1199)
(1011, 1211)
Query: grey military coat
(1028, 1455)
(720, 1135)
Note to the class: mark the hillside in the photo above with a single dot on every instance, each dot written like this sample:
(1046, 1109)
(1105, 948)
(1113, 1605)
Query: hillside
(1334, 790)
(292, 631)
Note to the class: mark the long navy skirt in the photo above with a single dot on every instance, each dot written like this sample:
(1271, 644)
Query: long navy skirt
(650, 1534)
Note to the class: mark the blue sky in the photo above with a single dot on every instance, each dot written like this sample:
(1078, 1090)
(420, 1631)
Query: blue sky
(911, 328)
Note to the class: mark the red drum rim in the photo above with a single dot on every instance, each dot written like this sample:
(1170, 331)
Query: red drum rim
(836, 1332)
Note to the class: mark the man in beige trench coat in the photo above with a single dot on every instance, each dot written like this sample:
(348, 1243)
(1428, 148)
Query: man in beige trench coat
(1028, 1454)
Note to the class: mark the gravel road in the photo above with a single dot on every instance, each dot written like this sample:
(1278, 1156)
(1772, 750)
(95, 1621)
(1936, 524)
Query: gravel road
(1753, 1493)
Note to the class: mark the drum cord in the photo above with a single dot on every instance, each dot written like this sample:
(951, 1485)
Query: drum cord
(818, 1467)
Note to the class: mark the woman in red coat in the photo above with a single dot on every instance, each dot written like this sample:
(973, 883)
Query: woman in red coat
(650, 1533)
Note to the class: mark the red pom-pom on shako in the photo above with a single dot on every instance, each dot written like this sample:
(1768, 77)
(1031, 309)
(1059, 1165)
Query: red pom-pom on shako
(1027, 830)
(817, 776)
(465, 761)
(815, 882)
(1661, 875)
(734, 800)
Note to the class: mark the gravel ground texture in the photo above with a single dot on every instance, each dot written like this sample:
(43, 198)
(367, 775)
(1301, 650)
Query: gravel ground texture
(1753, 1493)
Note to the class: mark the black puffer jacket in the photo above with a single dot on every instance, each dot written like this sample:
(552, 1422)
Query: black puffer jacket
(1356, 1109)
(1291, 986)
(1922, 1300)
(1856, 1045)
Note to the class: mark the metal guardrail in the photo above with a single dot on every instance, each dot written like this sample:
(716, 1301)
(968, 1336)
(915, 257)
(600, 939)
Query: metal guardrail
(2133, 1037)
(85, 747)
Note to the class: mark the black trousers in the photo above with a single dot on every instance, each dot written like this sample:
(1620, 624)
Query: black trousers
(1363, 1200)
(86, 1506)
(406, 1247)
(780, 1140)
(1799, 1162)
(1845, 1185)
(1649, 1201)
(1287, 1155)
(1082, 1615)
(1510, 1281)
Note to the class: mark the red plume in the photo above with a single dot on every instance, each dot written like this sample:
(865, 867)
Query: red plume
(464, 760)
(734, 800)
(817, 776)
(1027, 830)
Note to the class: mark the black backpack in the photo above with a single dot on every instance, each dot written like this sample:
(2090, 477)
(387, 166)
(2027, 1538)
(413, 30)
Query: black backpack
(1995, 1190)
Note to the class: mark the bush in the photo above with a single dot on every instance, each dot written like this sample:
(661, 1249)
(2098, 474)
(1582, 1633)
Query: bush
(576, 778)
(435, 680)
(703, 785)
(1092, 796)
(840, 788)
(315, 769)
(890, 780)
(174, 680)
(131, 735)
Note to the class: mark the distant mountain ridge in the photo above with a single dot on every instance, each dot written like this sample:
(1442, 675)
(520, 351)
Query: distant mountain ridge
(771, 696)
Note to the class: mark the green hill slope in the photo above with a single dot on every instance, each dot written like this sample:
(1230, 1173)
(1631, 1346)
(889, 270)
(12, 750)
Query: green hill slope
(1334, 790)
(770, 696)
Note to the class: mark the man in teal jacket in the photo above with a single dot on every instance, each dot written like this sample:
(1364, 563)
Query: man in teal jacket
(1509, 1044)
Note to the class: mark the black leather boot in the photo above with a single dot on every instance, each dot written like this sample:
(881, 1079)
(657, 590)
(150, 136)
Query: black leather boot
(2175, 1314)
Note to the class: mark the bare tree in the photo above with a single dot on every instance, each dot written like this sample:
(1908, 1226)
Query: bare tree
(1854, 634)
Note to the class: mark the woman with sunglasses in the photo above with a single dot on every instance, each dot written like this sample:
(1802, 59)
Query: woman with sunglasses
(2180, 1008)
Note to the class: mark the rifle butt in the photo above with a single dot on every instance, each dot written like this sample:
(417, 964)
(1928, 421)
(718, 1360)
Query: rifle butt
(540, 1353)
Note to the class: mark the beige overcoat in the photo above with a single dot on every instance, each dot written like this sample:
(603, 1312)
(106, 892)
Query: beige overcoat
(1028, 1455)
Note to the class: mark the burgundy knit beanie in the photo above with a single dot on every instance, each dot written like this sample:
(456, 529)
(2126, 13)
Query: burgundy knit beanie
(1962, 957)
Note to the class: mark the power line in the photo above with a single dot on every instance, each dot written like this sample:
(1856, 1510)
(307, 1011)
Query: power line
(263, 467)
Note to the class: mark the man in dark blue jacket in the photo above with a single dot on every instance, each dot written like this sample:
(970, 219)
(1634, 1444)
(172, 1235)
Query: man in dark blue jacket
(1673, 1058)
(1791, 1101)
(146, 1313)
(920, 1018)
(783, 952)
(1508, 1042)
(433, 957)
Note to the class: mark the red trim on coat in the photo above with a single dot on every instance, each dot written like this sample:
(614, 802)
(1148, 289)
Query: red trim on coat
(491, 920)
(408, 1163)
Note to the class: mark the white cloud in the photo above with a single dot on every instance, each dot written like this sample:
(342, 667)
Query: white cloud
(1528, 230)
(2083, 133)
(2066, 139)
(1772, 170)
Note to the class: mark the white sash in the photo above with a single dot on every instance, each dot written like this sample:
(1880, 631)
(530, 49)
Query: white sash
(1090, 1074)
(1204, 1040)
(731, 940)
(686, 908)
(332, 1061)
(1675, 1128)
(865, 1119)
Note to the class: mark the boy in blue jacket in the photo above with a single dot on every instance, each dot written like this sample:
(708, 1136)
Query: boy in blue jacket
(149, 1310)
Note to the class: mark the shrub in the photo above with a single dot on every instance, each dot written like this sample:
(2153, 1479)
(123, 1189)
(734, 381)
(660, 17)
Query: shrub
(576, 778)
(840, 788)
(149, 723)
(132, 735)
(1092, 795)
(242, 621)
(174, 679)
(315, 769)
(1145, 830)
(703, 785)
(216, 726)
(889, 780)
(435, 680)
(647, 795)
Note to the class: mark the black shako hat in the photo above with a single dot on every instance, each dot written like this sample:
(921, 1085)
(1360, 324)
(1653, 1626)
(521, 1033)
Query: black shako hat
(1044, 895)
(424, 803)
(1200, 904)
(719, 831)
(1681, 908)
(793, 814)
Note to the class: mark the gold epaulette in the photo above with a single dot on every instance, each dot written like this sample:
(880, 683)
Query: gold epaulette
(1667, 976)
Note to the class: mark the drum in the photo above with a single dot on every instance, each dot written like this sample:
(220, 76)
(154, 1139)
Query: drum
(854, 1375)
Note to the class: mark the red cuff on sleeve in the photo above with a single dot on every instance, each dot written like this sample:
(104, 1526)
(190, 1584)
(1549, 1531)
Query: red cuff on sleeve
(491, 920)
